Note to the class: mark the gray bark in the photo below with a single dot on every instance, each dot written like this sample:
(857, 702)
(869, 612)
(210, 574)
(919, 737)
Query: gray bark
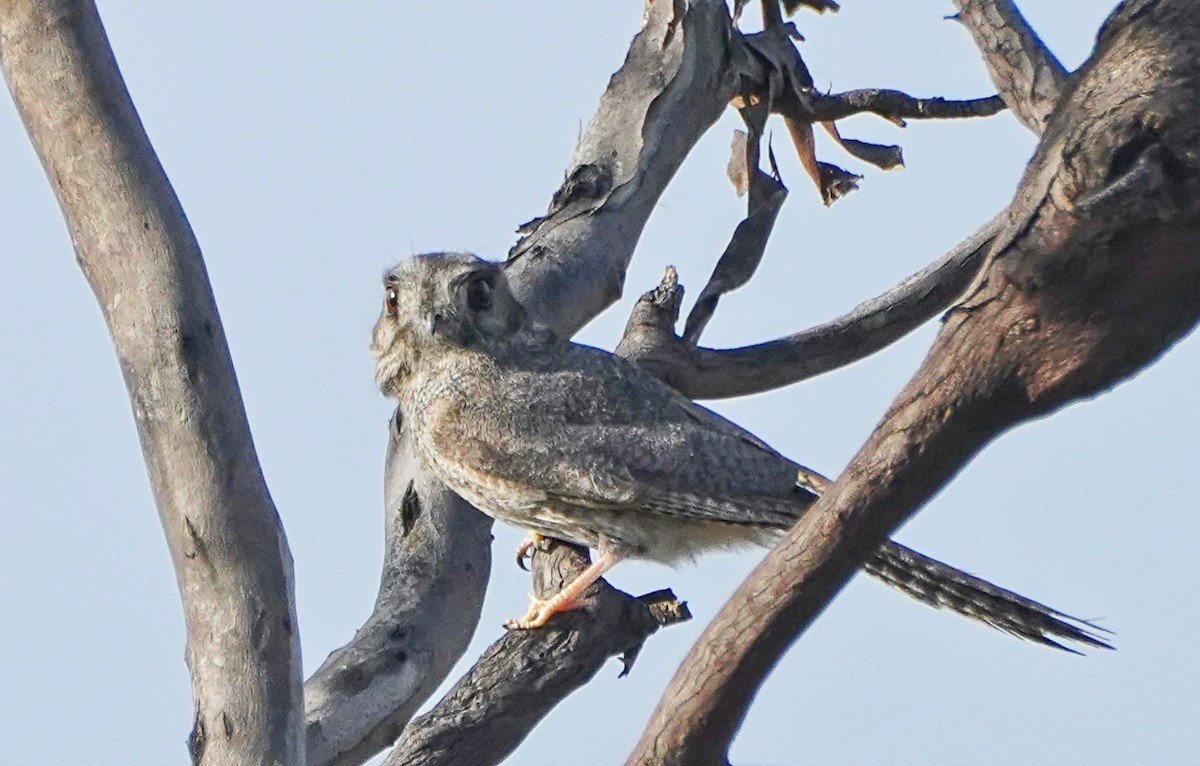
(231, 558)
(707, 373)
(1027, 74)
(568, 268)
(436, 564)
(524, 674)
(143, 263)
(673, 86)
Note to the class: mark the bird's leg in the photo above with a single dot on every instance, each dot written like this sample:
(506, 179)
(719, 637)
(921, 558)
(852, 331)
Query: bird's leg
(525, 549)
(566, 599)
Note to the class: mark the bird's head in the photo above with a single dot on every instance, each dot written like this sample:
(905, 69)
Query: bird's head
(438, 300)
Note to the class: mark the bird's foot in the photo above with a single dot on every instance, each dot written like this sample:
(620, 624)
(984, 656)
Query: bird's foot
(542, 609)
(525, 549)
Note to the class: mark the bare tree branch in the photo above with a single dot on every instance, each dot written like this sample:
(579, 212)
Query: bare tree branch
(1095, 276)
(893, 105)
(436, 565)
(769, 70)
(674, 85)
(567, 268)
(523, 675)
(143, 263)
(706, 373)
(1029, 77)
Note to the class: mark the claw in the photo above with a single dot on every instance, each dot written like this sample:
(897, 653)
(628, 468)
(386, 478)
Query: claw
(568, 598)
(525, 549)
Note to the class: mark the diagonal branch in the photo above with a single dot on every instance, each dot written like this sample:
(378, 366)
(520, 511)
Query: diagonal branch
(674, 85)
(1027, 74)
(523, 675)
(142, 261)
(706, 373)
(436, 565)
(569, 266)
(1095, 276)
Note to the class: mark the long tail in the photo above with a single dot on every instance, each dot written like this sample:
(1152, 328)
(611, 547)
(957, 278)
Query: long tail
(941, 585)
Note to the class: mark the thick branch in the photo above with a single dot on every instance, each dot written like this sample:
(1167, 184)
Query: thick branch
(1028, 76)
(1095, 276)
(436, 566)
(674, 85)
(705, 373)
(569, 267)
(522, 676)
(144, 265)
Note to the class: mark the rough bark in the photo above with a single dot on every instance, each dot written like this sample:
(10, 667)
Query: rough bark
(897, 106)
(1025, 72)
(142, 261)
(1095, 275)
(523, 675)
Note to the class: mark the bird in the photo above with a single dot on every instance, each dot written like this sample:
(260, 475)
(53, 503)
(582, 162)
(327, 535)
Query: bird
(574, 443)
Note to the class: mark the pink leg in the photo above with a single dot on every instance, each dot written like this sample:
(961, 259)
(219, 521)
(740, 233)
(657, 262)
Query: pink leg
(566, 599)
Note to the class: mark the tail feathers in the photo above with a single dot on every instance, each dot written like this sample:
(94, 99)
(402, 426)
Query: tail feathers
(941, 585)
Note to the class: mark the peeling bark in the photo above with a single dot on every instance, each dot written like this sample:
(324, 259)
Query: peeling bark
(571, 263)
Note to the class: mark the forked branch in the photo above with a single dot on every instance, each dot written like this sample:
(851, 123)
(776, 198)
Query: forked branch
(1094, 276)
(1027, 74)
(707, 373)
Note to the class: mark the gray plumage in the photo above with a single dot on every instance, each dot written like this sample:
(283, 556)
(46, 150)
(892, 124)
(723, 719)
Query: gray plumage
(577, 444)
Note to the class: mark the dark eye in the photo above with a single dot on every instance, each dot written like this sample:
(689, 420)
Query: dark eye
(479, 295)
(391, 301)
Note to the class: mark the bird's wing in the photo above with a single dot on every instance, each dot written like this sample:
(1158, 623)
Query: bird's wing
(589, 429)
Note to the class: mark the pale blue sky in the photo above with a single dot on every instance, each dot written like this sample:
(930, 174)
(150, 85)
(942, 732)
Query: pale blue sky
(314, 145)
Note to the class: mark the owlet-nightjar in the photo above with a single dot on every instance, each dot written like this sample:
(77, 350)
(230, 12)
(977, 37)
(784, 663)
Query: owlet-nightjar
(574, 443)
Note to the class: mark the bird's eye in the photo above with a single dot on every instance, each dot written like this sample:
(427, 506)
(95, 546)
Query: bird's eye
(391, 301)
(479, 295)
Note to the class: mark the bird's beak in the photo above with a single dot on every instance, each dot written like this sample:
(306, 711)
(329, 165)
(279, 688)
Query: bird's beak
(436, 322)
